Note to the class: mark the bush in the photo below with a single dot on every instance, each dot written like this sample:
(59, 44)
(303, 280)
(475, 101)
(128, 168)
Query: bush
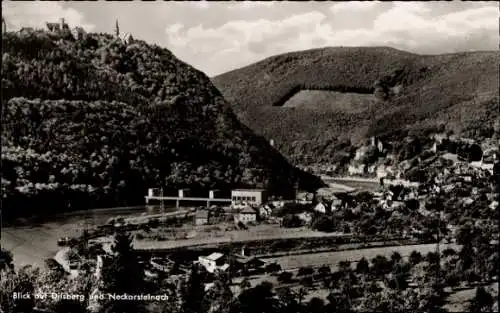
(273, 268)
(285, 277)
(291, 221)
(305, 271)
(323, 223)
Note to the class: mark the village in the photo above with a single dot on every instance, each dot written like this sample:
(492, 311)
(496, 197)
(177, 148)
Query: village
(256, 237)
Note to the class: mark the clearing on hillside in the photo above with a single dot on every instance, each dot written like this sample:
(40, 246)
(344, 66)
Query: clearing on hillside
(321, 100)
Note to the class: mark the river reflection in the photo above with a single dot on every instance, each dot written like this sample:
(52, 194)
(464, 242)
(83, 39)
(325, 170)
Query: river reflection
(92, 217)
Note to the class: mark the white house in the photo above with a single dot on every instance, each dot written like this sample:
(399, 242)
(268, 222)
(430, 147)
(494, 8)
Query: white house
(493, 205)
(246, 215)
(321, 207)
(249, 196)
(213, 262)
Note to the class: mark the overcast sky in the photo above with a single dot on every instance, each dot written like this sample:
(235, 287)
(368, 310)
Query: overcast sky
(219, 36)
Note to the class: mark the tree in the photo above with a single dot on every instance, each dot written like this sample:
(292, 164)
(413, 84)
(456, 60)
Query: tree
(273, 268)
(83, 243)
(285, 277)
(380, 265)
(323, 223)
(315, 305)
(21, 282)
(482, 301)
(396, 257)
(123, 276)
(324, 270)
(363, 266)
(260, 299)
(289, 300)
(304, 271)
(415, 257)
(220, 296)
(6, 260)
(339, 303)
(192, 293)
(291, 221)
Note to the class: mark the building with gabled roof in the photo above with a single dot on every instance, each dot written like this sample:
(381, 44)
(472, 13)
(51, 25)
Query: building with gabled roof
(214, 262)
(246, 215)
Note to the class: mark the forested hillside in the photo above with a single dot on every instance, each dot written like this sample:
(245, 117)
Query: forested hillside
(95, 121)
(409, 91)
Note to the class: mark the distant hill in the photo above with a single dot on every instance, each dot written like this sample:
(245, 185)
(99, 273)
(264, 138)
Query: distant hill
(311, 101)
(93, 120)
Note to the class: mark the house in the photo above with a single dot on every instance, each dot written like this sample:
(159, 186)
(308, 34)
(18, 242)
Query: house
(247, 263)
(304, 197)
(361, 152)
(248, 196)
(25, 30)
(183, 193)
(78, 33)
(266, 210)
(393, 205)
(53, 27)
(493, 205)
(246, 215)
(381, 145)
(201, 217)
(321, 207)
(467, 178)
(356, 169)
(213, 262)
(336, 203)
(441, 137)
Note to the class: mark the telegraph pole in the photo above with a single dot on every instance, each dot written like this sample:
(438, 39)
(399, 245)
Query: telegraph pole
(162, 207)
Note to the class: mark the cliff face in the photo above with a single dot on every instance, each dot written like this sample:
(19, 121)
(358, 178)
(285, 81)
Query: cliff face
(95, 121)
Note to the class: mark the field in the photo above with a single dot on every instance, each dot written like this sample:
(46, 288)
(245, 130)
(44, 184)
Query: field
(203, 237)
(333, 258)
(359, 185)
(320, 100)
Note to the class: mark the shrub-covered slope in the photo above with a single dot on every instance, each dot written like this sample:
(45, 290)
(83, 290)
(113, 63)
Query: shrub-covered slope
(458, 90)
(96, 121)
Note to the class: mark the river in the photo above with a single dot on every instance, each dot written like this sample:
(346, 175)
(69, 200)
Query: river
(32, 240)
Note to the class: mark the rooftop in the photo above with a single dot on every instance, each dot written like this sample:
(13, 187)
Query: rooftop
(251, 190)
(201, 214)
(248, 210)
(214, 256)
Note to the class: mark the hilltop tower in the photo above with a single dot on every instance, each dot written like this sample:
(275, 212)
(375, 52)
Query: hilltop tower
(117, 29)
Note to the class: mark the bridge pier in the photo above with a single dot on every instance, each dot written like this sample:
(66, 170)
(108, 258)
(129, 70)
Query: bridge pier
(177, 203)
(208, 204)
